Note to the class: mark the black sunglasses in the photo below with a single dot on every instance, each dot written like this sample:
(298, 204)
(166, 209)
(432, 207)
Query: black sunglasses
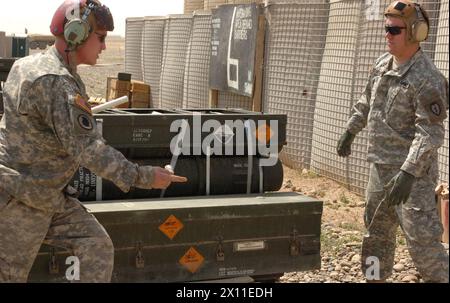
(393, 30)
(101, 37)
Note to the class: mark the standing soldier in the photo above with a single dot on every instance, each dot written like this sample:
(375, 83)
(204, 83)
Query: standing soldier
(404, 106)
(46, 133)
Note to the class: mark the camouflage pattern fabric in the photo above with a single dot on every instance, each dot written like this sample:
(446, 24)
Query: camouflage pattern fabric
(404, 109)
(418, 218)
(24, 229)
(46, 133)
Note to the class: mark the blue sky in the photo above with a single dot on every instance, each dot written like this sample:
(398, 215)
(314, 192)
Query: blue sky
(16, 15)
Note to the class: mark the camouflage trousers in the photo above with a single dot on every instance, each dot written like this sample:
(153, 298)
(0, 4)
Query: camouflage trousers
(23, 229)
(419, 220)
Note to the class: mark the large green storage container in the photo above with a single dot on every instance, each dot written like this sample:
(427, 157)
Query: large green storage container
(203, 238)
(145, 133)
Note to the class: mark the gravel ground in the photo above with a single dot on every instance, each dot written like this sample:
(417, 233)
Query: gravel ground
(341, 261)
(342, 233)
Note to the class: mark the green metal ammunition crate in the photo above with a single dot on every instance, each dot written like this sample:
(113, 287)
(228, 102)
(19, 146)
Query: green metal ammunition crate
(203, 238)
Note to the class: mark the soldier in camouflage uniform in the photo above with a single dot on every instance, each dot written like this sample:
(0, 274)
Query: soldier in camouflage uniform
(46, 133)
(404, 106)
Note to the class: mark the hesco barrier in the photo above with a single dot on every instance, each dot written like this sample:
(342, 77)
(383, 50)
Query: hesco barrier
(196, 73)
(176, 40)
(153, 46)
(133, 47)
(191, 6)
(295, 43)
(235, 166)
(336, 84)
(441, 59)
(229, 99)
(210, 4)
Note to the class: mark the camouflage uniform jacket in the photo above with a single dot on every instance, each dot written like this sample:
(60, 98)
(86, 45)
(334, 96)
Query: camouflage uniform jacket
(404, 110)
(47, 131)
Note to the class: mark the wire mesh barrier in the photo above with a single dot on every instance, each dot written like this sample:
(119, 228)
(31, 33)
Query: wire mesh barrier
(295, 44)
(245, 1)
(318, 55)
(210, 4)
(441, 59)
(177, 34)
(152, 44)
(368, 48)
(196, 74)
(232, 100)
(133, 47)
(191, 6)
(335, 89)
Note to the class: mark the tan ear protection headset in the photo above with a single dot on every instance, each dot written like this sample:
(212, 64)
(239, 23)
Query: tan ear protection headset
(77, 30)
(415, 18)
(419, 29)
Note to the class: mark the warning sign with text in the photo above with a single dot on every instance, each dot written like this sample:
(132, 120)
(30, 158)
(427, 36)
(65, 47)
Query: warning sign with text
(233, 48)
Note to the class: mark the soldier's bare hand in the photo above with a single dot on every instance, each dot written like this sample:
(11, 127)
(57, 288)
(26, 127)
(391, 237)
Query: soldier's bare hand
(163, 178)
(156, 177)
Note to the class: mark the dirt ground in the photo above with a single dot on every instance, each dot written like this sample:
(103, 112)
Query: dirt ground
(110, 62)
(342, 207)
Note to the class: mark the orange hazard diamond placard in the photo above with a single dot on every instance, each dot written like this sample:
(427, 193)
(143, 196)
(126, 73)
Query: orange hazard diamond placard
(171, 227)
(192, 260)
(264, 134)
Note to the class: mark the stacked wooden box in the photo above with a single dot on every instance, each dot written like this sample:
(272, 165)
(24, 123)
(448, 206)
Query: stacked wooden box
(442, 207)
(138, 92)
(140, 95)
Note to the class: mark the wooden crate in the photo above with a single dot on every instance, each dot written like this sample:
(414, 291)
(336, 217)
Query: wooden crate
(139, 86)
(442, 206)
(116, 88)
(140, 95)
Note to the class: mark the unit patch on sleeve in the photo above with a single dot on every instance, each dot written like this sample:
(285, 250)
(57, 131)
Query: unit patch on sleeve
(432, 102)
(85, 122)
(81, 103)
(435, 109)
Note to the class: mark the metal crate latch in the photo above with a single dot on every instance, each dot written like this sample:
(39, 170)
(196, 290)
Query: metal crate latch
(220, 254)
(140, 262)
(294, 247)
(53, 266)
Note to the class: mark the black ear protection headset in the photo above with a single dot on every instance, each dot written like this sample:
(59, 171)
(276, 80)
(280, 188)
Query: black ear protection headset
(77, 30)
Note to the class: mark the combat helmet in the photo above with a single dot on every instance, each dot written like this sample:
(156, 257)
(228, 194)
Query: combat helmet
(415, 18)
